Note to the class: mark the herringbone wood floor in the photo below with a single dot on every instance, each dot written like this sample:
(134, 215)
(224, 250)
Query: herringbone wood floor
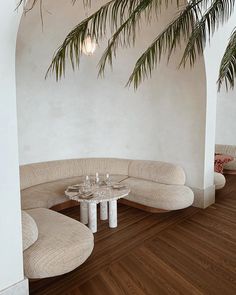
(191, 251)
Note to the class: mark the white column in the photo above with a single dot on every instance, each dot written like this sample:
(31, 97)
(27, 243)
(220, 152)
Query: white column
(11, 257)
(103, 211)
(113, 213)
(93, 217)
(84, 212)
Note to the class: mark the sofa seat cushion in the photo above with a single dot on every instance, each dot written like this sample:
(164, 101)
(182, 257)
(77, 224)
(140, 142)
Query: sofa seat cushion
(29, 230)
(219, 180)
(160, 196)
(63, 244)
(49, 194)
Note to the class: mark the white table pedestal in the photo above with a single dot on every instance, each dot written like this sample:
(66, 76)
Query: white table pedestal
(113, 213)
(103, 211)
(105, 196)
(93, 217)
(84, 212)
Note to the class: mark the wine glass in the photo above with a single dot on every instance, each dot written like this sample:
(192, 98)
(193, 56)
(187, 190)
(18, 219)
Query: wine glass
(108, 179)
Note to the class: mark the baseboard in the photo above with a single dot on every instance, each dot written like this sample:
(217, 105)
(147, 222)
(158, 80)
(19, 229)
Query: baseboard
(20, 288)
(203, 198)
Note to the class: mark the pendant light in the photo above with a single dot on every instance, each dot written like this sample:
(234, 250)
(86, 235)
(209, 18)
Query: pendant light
(89, 45)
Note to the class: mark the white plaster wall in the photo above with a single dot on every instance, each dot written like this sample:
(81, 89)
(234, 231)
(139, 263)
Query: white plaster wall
(226, 117)
(11, 262)
(83, 116)
(226, 101)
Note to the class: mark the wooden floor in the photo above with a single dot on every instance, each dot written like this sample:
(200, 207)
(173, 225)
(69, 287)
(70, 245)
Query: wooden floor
(191, 251)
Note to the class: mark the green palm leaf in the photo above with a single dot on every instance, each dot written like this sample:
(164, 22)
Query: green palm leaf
(112, 13)
(193, 25)
(227, 72)
(217, 14)
(166, 42)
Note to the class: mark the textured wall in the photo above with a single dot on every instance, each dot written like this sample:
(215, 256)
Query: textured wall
(83, 116)
(226, 118)
(226, 101)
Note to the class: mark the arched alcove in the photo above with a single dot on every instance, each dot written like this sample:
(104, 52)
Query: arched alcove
(82, 116)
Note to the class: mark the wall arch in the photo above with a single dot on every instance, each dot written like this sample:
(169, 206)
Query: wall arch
(85, 117)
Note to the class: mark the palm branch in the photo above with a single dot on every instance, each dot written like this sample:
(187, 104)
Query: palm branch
(193, 25)
(228, 64)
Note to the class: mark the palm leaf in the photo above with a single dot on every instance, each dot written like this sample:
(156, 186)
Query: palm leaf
(178, 30)
(217, 14)
(112, 13)
(227, 71)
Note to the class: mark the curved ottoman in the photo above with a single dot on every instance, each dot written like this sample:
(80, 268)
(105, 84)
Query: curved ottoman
(62, 245)
(219, 180)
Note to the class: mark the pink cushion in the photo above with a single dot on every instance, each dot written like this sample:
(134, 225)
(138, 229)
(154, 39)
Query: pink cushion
(220, 160)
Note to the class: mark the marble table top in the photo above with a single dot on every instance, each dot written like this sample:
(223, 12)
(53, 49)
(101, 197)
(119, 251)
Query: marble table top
(99, 194)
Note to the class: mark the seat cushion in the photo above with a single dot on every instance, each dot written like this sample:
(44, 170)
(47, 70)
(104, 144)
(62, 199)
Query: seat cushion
(63, 244)
(160, 172)
(29, 230)
(52, 193)
(160, 196)
(219, 180)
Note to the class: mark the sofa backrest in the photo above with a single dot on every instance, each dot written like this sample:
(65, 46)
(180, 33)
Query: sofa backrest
(167, 173)
(33, 174)
(160, 172)
(226, 149)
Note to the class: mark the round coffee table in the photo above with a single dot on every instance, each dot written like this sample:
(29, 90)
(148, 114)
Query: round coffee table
(103, 196)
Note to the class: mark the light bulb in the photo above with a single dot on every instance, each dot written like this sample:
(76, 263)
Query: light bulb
(89, 45)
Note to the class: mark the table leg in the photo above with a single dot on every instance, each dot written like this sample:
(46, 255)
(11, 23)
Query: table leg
(84, 212)
(103, 211)
(113, 213)
(93, 217)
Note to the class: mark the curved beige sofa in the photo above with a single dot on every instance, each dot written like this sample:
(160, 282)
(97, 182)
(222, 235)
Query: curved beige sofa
(153, 184)
(227, 150)
(53, 243)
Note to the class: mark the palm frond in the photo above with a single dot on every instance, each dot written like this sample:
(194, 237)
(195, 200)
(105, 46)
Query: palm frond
(178, 30)
(217, 14)
(125, 34)
(227, 71)
(112, 13)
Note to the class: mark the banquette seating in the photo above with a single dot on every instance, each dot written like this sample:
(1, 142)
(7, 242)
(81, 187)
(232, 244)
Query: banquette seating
(55, 244)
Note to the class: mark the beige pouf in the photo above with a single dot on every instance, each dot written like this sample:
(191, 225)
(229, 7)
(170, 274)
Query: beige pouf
(219, 180)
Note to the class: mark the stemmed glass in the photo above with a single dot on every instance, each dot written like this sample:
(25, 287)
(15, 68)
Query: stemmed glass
(108, 180)
(87, 184)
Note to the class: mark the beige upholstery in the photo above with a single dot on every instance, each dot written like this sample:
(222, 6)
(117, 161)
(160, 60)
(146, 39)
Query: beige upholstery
(157, 195)
(63, 244)
(219, 180)
(49, 194)
(227, 150)
(160, 172)
(29, 230)
(43, 184)
(38, 173)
